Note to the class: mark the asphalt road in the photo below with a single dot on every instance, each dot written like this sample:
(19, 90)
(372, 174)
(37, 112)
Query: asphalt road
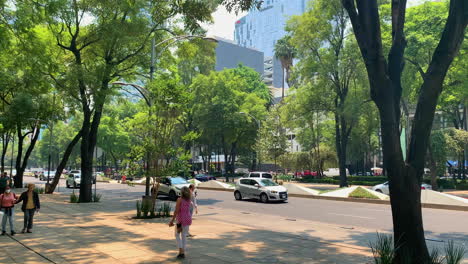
(439, 224)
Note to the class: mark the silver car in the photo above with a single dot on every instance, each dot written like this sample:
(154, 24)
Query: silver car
(383, 188)
(260, 188)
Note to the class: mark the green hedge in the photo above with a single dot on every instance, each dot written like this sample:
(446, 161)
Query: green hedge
(462, 186)
(379, 179)
(350, 181)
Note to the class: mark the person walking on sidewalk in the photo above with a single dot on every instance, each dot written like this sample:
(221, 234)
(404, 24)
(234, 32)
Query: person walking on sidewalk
(193, 198)
(7, 204)
(184, 220)
(4, 182)
(31, 204)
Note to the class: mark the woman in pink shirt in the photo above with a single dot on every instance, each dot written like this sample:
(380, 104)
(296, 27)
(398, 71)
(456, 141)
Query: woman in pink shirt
(184, 220)
(7, 203)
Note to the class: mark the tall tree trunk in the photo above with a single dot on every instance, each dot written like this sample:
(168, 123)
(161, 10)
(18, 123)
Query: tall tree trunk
(63, 162)
(432, 167)
(88, 144)
(116, 162)
(340, 150)
(5, 142)
(22, 162)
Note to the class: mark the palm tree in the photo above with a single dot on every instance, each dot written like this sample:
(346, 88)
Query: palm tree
(285, 52)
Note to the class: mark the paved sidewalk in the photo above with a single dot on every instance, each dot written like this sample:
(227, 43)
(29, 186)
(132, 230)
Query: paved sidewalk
(105, 233)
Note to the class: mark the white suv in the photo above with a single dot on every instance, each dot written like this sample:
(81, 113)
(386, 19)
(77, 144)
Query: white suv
(73, 180)
(259, 174)
(171, 186)
(260, 188)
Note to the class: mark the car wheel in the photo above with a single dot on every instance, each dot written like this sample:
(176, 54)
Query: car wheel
(172, 196)
(238, 196)
(68, 186)
(378, 190)
(74, 185)
(263, 198)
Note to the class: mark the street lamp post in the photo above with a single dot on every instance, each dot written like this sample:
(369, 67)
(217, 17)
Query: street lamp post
(147, 95)
(259, 126)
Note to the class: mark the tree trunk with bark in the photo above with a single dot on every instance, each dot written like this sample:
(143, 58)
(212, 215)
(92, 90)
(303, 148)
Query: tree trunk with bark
(5, 143)
(22, 162)
(63, 163)
(385, 83)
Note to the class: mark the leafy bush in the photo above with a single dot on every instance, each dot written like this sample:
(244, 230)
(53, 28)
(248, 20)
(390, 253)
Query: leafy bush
(383, 251)
(360, 192)
(454, 254)
(73, 198)
(284, 177)
(378, 179)
(333, 181)
(39, 190)
(146, 207)
(97, 197)
(166, 209)
(462, 186)
(445, 184)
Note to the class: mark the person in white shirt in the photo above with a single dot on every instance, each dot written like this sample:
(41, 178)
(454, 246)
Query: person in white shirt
(193, 204)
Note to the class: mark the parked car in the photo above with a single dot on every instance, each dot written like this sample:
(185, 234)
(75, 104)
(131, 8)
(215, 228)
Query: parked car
(383, 188)
(258, 174)
(260, 188)
(204, 177)
(171, 186)
(73, 180)
(43, 176)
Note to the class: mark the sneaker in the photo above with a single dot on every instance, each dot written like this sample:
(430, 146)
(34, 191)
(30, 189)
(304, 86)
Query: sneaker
(23, 230)
(3, 233)
(181, 256)
(29, 231)
(13, 233)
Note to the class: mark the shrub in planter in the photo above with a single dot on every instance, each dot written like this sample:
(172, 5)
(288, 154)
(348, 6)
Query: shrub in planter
(74, 198)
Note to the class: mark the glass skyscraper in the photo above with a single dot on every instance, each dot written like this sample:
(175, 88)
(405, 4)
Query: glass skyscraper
(261, 28)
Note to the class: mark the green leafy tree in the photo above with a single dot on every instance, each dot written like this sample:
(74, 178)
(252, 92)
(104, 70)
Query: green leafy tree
(111, 45)
(385, 81)
(219, 101)
(272, 141)
(329, 66)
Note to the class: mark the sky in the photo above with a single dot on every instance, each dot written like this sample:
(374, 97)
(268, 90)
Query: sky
(223, 25)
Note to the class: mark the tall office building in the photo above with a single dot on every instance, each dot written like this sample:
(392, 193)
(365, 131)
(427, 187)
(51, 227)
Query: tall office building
(229, 55)
(261, 28)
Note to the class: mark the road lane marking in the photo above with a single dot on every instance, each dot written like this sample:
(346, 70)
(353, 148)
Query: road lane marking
(363, 217)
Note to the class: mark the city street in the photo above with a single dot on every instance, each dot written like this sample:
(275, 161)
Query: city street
(440, 225)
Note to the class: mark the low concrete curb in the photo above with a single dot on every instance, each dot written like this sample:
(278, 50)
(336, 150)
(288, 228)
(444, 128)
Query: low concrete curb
(357, 200)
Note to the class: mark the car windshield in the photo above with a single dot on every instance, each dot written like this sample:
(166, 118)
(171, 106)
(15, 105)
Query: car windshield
(267, 175)
(268, 183)
(178, 180)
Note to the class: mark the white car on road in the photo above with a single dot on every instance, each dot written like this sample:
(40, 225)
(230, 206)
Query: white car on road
(73, 180)
(260, 188)
(171, 186)
(383, 188)
(258, 174)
